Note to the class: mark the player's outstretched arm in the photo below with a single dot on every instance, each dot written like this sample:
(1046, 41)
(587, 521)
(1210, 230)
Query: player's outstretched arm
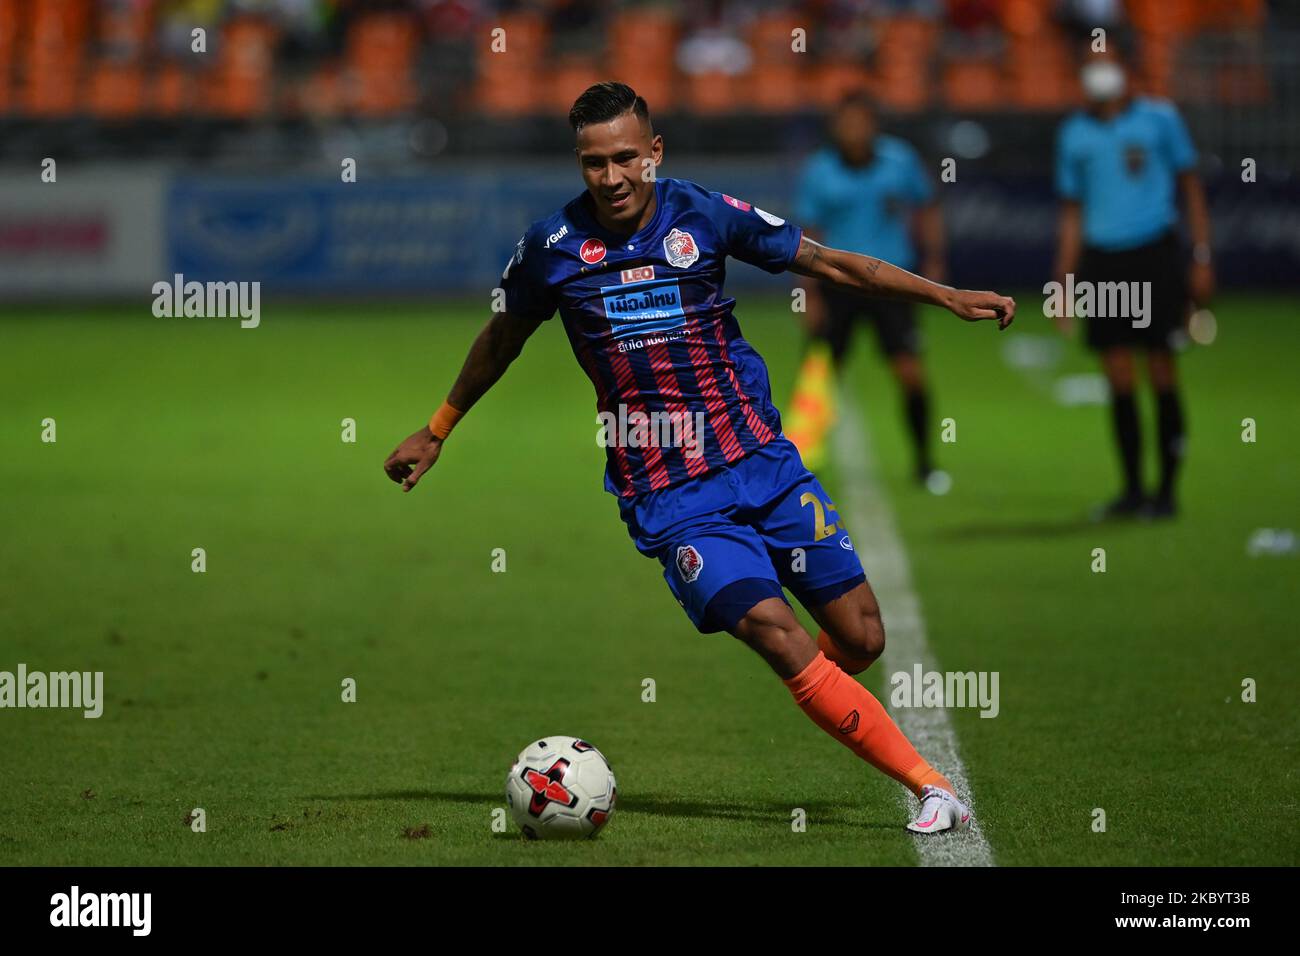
(876, 277)
(499, 344)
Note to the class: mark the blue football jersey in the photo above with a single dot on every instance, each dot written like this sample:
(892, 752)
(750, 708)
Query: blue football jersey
(649, 323)
(1123, 171)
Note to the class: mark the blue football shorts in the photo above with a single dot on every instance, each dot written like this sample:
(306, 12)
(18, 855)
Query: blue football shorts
(737, 535)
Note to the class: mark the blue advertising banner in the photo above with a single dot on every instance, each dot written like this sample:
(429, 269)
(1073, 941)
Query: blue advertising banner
(453, 230)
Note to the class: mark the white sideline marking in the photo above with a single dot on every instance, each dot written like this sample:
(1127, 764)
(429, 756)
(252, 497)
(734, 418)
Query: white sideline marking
(871, 525)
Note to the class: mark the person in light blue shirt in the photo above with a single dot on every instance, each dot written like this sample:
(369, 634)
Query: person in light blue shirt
(1120, 166)
(869, 192)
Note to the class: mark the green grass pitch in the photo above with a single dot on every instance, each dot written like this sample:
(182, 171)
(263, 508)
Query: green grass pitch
(1119, 691)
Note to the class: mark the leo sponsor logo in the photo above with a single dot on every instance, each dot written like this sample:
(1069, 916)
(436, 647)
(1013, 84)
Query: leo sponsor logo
(680, 249)
(639, 274)
(689, 563)
(738, 203)
(592, 251)
(556, 236)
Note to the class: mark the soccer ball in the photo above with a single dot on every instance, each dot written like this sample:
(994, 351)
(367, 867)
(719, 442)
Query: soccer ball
(560, 788)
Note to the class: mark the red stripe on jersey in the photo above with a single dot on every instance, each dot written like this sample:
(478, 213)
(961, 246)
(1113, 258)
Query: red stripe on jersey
(661, 363)
(756, 424)
(602, 404)
(713, 400)
(654, 459)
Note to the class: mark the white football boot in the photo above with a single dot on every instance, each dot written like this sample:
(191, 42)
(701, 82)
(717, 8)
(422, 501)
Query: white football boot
(940, 811)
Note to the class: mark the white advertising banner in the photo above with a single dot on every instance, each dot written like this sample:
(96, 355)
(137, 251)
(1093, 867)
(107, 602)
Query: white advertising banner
(92, 231)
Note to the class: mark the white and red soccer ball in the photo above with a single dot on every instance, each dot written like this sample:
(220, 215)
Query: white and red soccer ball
(560, 788)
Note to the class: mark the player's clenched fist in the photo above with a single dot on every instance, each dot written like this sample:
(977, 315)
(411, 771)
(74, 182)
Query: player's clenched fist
(413, 457)
(974, 306)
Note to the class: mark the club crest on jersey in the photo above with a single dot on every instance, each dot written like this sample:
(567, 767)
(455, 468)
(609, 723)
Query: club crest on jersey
(689, 563)
(738, 203)
(680, 249)
(592, 251)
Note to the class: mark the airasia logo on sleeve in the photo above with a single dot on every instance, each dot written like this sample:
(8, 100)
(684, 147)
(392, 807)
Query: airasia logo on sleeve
(592, 251)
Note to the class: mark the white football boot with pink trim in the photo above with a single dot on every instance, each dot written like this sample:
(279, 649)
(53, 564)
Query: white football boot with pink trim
(940, 811)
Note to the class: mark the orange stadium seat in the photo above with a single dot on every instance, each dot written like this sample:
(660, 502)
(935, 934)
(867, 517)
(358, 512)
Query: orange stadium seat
(711, 94)
(903, 62)
(126, 28)
(319, 94)
(657, 83)
(171, 91)
(1040, 71)
(380, 64)
(639, 37)
(771, 37)
(1024, 18)
(8, 52)
(115, 90)
(507, 93)
(567, 78)
(509, 82)
(1162, 17)
(777, 81)
(973, 85)
(642, 47)
(55, 55)
(241, 85)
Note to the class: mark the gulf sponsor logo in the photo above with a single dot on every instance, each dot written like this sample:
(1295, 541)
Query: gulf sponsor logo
(643, 308)
(592, 251)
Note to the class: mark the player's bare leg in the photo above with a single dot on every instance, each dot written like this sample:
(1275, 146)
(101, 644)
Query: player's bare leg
(847, 711)
(772, 630)
(853, 636)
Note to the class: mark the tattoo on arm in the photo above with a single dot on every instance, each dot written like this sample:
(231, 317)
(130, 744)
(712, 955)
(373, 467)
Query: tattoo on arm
(808, 254)
(873, 265)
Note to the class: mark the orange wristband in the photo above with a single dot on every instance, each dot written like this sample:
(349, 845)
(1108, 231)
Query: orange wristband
(444, 420)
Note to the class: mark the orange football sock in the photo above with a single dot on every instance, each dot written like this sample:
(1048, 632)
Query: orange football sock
(848, 712)
(850, 665)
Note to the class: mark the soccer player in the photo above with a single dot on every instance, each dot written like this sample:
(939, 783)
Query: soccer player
(866, 193)
(635, 267)
(1119, 165)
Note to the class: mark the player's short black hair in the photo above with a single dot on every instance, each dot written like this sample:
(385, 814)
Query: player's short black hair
(606, 101)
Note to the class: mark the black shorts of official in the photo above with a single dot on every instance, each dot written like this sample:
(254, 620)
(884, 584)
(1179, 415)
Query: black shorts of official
(894, 321)
(1163, 263)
